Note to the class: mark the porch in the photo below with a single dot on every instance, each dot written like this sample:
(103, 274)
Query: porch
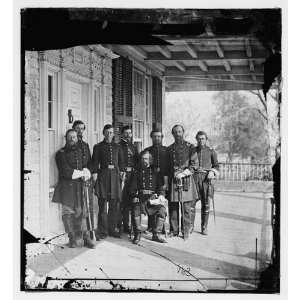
(231, 257)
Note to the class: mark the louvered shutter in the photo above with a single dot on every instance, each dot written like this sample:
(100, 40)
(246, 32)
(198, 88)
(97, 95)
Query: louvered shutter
(156, 103)
(121, 94)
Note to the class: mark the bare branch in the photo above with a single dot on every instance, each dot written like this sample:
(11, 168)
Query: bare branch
(261, 99)
(263, 115)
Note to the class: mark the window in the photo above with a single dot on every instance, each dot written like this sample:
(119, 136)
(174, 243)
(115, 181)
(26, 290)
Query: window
(138, 130)
(50, 101)
(95, 110)
(52, 126)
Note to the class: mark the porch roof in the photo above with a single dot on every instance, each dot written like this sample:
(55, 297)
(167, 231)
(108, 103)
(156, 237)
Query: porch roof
(194, 49)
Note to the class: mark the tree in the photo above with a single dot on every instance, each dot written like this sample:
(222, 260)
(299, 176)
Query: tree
(240, 127)
(272, 120)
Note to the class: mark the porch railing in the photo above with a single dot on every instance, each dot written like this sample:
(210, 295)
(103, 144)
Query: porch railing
(245, 172)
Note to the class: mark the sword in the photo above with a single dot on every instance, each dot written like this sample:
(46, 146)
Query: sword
(180, 187)
(211, 196)
(88, 211)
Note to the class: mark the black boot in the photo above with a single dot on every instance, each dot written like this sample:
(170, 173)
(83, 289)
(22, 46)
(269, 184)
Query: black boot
(204, 223)
(137, 238)
(88, 242)
(158, 224)
(72, 240)
(157, 238)
(69, 228)
(193, 214)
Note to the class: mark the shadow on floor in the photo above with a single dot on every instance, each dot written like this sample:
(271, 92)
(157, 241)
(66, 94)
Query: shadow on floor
(45, 263)
(217, 266)
(242, 195)
(238, 217)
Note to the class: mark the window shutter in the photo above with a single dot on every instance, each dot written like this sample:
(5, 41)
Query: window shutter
(121, 94)
(156, 102)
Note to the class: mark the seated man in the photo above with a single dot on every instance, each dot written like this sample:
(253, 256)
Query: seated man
(144, 188)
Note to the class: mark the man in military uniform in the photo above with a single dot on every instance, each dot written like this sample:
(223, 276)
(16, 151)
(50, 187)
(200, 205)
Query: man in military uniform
(70, 191)
(180, 170)
(131, 160)
(206, 167)
(147, 197)
(79, 127)
(160, 158)
(107, 169)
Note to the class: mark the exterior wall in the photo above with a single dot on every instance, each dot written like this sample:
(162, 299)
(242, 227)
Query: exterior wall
(32, 144)
(138, 100)
(91, 67)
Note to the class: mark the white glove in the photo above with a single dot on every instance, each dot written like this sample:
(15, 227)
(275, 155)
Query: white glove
(87, 174)
(180, 175)
(216, 172)
(187, 172)
(77, 174)
(162, 200)
(95, 175)
(211, 175)
(154, 201)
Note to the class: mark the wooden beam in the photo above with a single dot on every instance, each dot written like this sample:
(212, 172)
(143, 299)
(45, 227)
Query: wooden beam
(253, 77)
(164, 51)
(202, 66)
(212, 86)
(219, 50)
(248, 48)
(208, 30)
(227, 66)
(251, 65)
(207, 55)
(218, 70)
(134, 50)
(156, 66)
(180, 66)
(221, 38)
(190, 49)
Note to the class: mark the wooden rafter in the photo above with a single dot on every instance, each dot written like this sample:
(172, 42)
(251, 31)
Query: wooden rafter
(235, 70)
(206, 55)
(219, 50)
(136, 51)
(180, 66)
(227, 66)
(202, 66)
(248, 48)
(164, 51)
(190, 49)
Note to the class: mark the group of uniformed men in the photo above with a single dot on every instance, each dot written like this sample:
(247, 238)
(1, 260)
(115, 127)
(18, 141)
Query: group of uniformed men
(158, 181)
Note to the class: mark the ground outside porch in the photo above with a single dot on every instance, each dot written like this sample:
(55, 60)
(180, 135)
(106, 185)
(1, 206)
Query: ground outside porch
(232, 256)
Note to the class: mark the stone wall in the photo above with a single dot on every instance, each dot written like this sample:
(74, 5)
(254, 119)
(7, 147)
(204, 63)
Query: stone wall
(32, 144)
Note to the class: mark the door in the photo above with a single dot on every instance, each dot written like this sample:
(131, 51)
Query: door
(74, 109)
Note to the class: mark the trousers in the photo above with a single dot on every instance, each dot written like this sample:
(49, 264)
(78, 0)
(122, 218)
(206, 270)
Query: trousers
(109, 216)
(185, 218)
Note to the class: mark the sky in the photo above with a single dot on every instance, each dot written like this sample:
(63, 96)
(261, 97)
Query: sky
(203, 102)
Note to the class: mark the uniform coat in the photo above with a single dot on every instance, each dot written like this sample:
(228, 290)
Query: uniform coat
(179, 156)
(204, 159)
(146, 179)
(86, 154)
(108, 181)
(68, 191)
(160, 158)
(130, 157)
